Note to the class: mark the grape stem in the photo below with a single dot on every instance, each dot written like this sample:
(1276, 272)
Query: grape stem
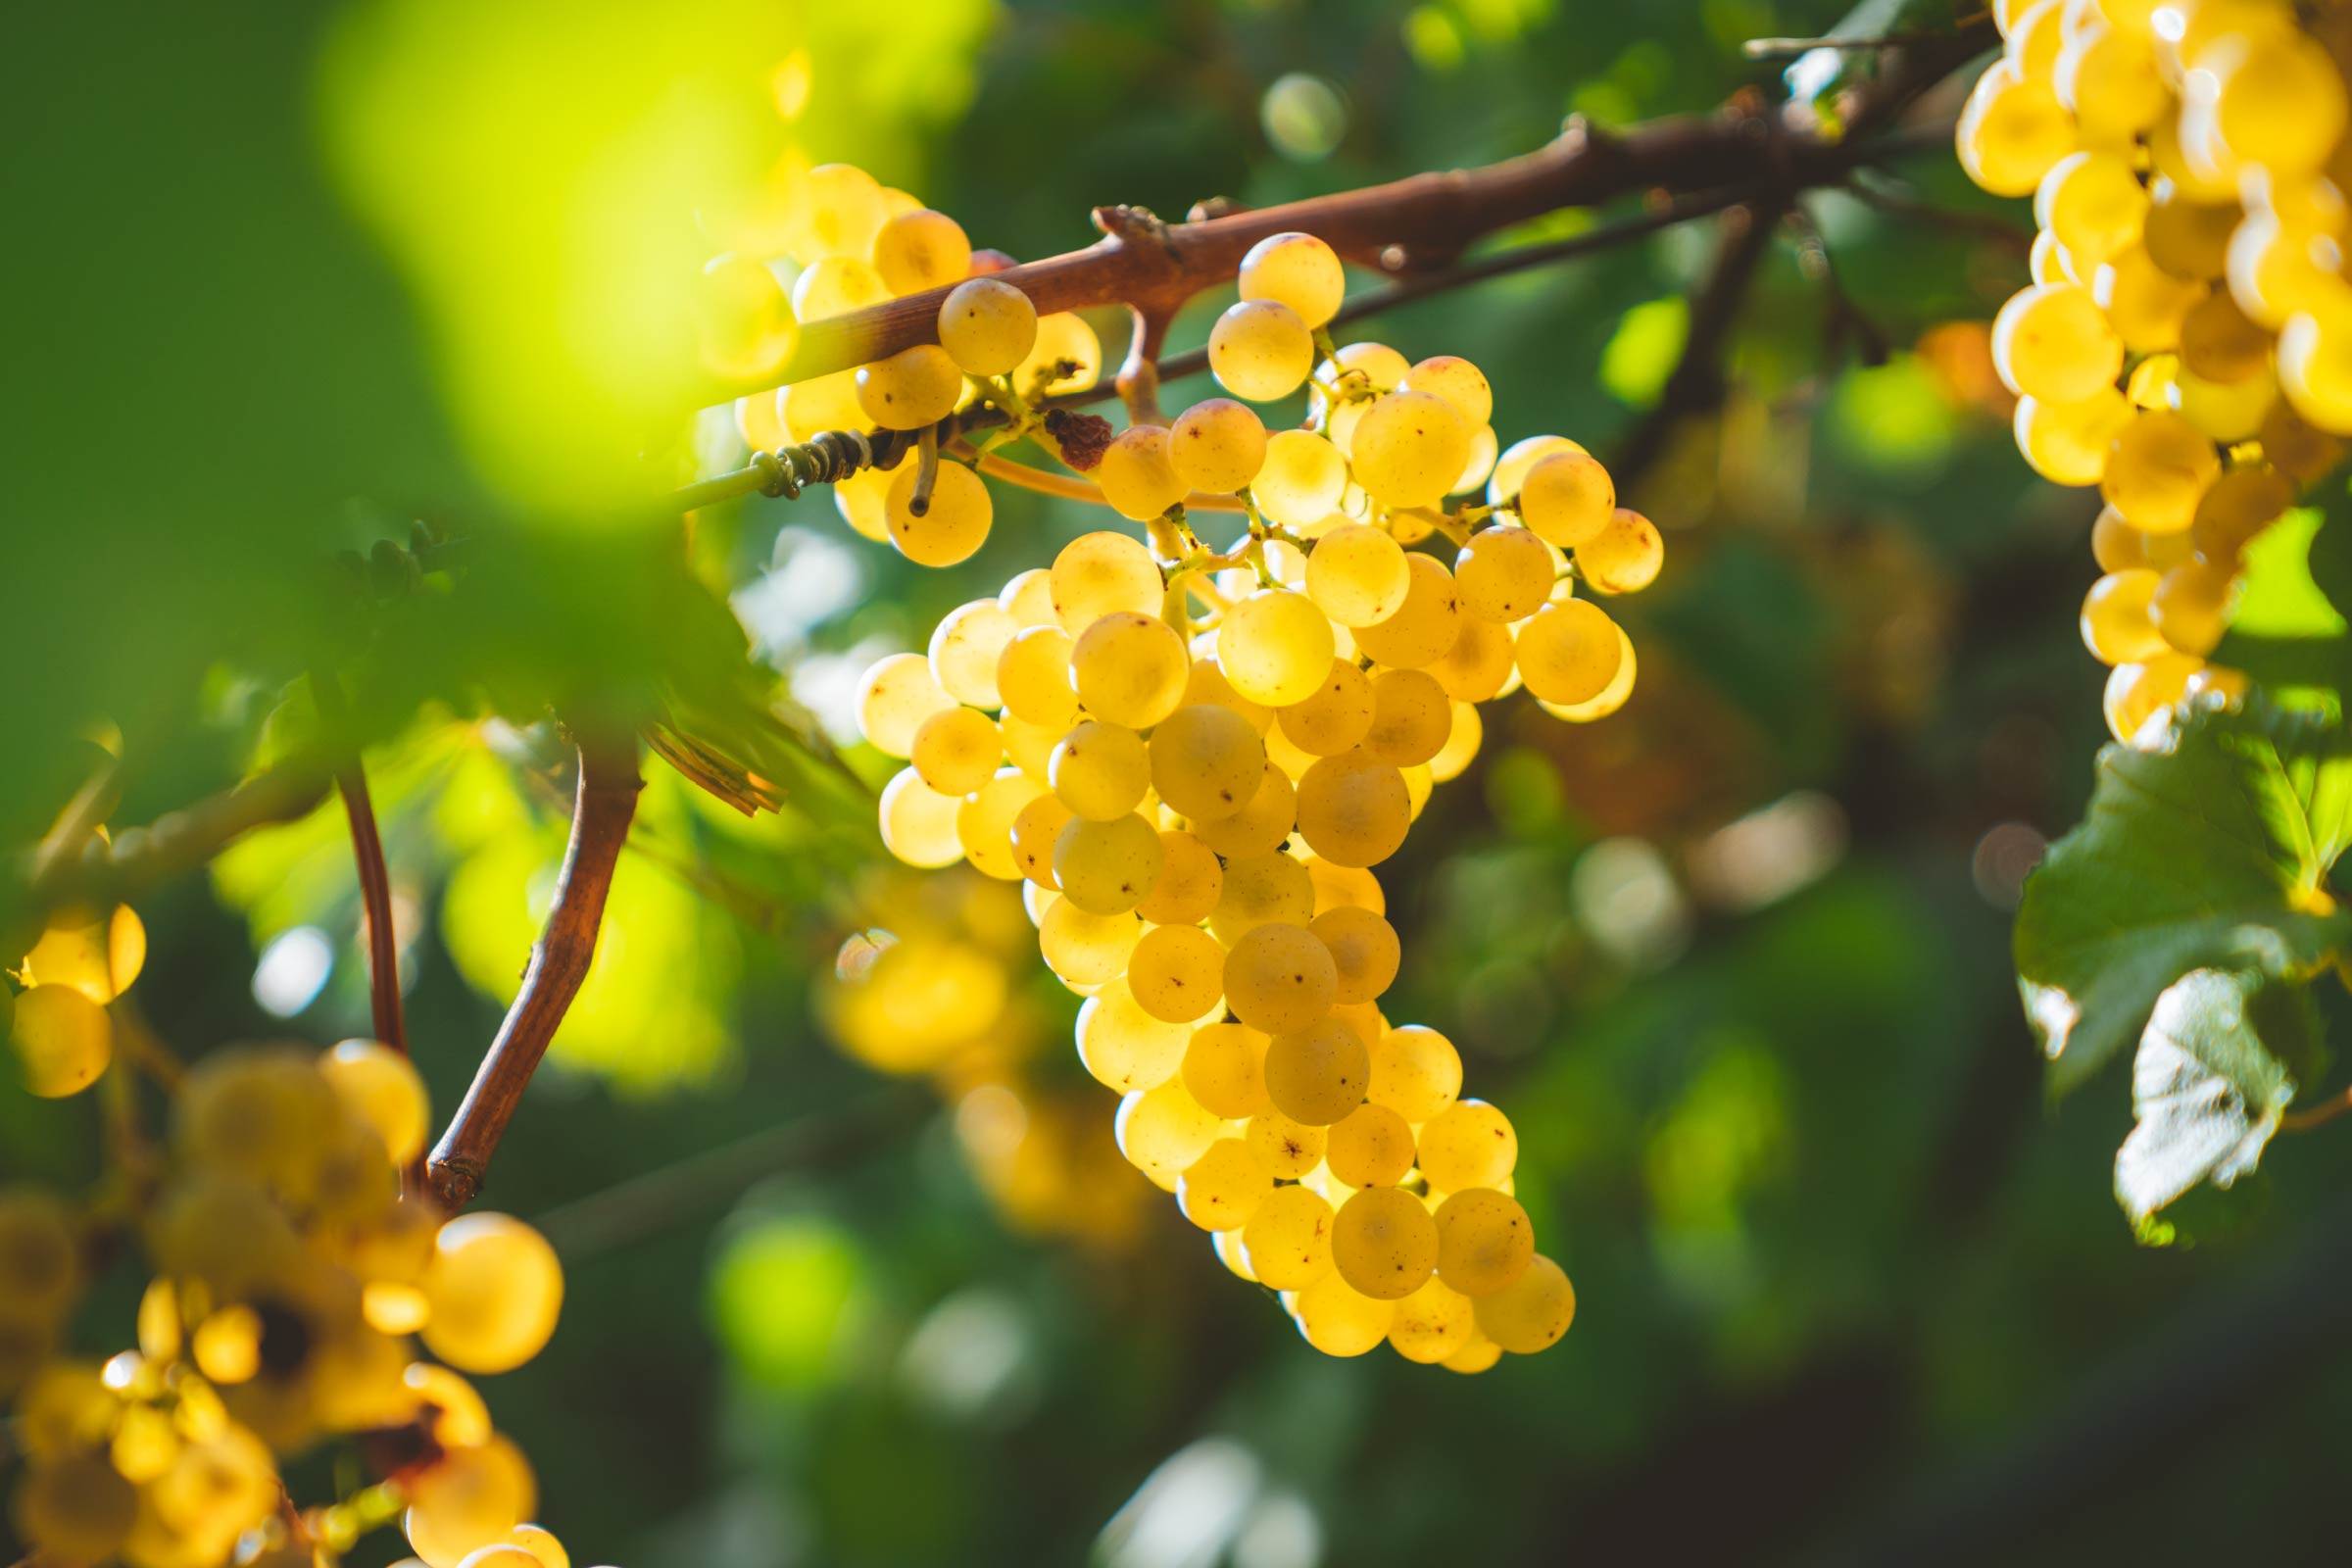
(605, 806)
(376, 878)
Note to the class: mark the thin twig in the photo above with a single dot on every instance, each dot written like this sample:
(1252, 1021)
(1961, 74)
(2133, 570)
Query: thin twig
(1975, 225)
(375, 879)
(1071, 487)
(654, 1201)
(606, 804)
(179, 841)
(2319, 1116)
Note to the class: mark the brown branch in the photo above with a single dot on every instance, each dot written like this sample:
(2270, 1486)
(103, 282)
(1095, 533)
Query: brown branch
(1421, 222)
(375, 879)
(606, 804)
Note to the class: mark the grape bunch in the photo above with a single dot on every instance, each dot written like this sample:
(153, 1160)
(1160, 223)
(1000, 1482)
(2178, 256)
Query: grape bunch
(291, 1280)
(1190, 753)
(2186, 343)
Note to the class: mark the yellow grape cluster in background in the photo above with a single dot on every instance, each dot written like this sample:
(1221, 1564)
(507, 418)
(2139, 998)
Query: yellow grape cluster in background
(934, 994)
(1189, 757)
(2187, 341)
(291, 1282)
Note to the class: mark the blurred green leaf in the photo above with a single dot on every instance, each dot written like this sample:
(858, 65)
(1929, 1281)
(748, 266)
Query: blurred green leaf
(2212, 851)
(1642, 352)
(2206, 1088)
(2289, 632)
(784, 1296)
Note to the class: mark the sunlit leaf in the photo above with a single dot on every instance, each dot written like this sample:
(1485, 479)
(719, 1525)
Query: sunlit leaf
(2206, 1087)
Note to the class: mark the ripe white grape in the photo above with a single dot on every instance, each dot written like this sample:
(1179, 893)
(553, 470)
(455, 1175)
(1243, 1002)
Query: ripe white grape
(1260, 350)
(1085, 948)
(918, 824)
(1625, 556)
(1098, 574)
(1101, 771)
(1409, 447)
(1289, 1148)
(984, 822)
(1415, 1072)
(1332, 719)
(1207, 761)
(958, 751)
(1297, 271)
(2052, 341)
(1067, 357)
(1163, 1130)
(913, 388)
(1337, 1319)
(1468, 1144)
(1532, 1312)
(1257, 827)
(1357, 575)
(1484, 1242)
(1218, 446)
(1137, 477)
(1412, 716)
(1568, 652)
(919, 250)
(1353, 809)
(1280, 978)
(1191, 881)
(1288, 1240)
(1033, 677)
(1222, 1189)
(894, 699)
(1317, 1072)
(1503, 574)
(1424, 628)
(1300, 480)
(1130, 669)
(1274, 647)
(955, 523)
(1384, 1242)
(1364, 949)
(1177, 973)
(1433, 1324)
(1106, 867)
(987, 326)
(1371, 1146)
(1124, 1046)
(1456, 380)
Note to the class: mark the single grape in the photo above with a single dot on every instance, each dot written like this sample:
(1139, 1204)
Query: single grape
(1191, 881)
(1532, 1312)
(919, 250)
(1353, 809)
(1222, 1189)
(1468, 1144)
(1384, 1242)
(1296, 271)
(495, 1288)
(987, 326)
(1218, 446)
(1280, 978)
(1177, 973)
(1288, 1240)
(1316, 1071)
(1260, 350)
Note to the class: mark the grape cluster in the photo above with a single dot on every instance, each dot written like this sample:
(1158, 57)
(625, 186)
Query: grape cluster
(1189, 757)
(2186, 343)
(291, 1280)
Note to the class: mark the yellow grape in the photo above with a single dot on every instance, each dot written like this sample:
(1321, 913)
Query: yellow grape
(1384, 1242)
(1106, 867)
(1218, 446)
(1568, 652)
(1296, 271)
(2241, 504)
(1177, 973)
(964, 650)
(2273, 98)
(897, 694)
(2296, 448)
(1316, 1071)
(1191, 881)
(958, 751)
(1224, 1067)
(1265, 889)
(1301, 479)
(1099, 574)
(1279, 978)
(2052, 341)
(1415, 1072)
(2116, 627)
(2095, 205)
(1137, 477)
(836, 285)
(1274, 647)
(1222, 1189)
(1130, 669)
(1353, 809)
(2012, 130)
(913, 388)
(1433, 1323)
(1371, 1146)
(2159, 466)
(838, 211)
(921, 250)
(1482, 664)
(2067, 443)
(1468, 1144)
(1625, 556)
(1337, 1319)
(984, 822)
(2219, 343)
(1484, 1242)
(1424, 628)
(2147, 305)
(2315, 363)
(1067, 357)
(1409, 447)
(1335, 716)
(1085, 948)
(97, 954)
(2187, 237)
(2190, 608)
(987, 326)
(1031, 676)
(380, 1086)
(1412, 715)
(1123, 1045)
(1532, 1312)
(467, 1500)
(2108, 75)
(1462, 742)
(1207, 761)
(1288, 1240)
(1260, 350)
(495, 1289)
(1289, 1149)
(62, 1041)
(1101, 771)
(1162, 1130)
(1257, 827)
(955, 523)
(918, 824)
(1364, 951)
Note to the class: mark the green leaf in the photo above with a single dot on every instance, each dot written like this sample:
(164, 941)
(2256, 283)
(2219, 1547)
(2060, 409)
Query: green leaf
(2211, 851)
(1641, 353)
(2206, 1088)
(2288, 631)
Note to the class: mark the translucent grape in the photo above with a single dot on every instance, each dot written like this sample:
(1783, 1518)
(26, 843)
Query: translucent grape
(62, 1041)
(1353, 809)
(1416, 1073)
(2116, 627)
(1371, 1146)
(1161, 1131)
(1036, 829)
(1410, 717)
(1484, 1242)
(2315, 365)
(958, 751)
(1130, 669)
(1033, 677)
(1364, 951)
(1101, 771)
(1222, 1189)
(1106, 867)
(1275, 647)
(1332, 719)
(836, 285)
(1289, 1148)
(1480, 666)
(1300, 480)
(2159, 466)
(1468, 1144)
(380, 1086)
(1257, 827)
(1357, 575)
(966, 648)
(1067, 357)
(1384, 1242)
(2095, 205)
(2190, 608)
(984, 822)
(1288, 1240)
(2011, 131)
(1218, 446)
(1177, 973)
(2052, 341)
(987, 326)
(955, 523)
(839, 211)
(913, 388)
(496, 1289)
(1532, 1312)
(1408, 448)
(919, 250)
(1568, 652)
(1279, 978)
(1191, 881)
(1296, 271)
(1124, 1046)
(1625, 556)
(2067, 443)
(1268, 889)
(1337, 1319)
(1317, 1072)
(1503, 574)
(1099, 574)
(1086, 948)
(1432, 1324)
(1260, 350)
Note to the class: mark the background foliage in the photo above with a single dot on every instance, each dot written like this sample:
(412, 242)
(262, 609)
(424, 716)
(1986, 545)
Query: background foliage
(291, 278)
